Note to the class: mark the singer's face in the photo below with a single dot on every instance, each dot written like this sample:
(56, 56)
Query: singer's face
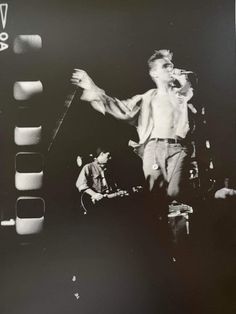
(162, 69)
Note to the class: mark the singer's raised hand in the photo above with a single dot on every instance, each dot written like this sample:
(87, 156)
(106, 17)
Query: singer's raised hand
(81, 79)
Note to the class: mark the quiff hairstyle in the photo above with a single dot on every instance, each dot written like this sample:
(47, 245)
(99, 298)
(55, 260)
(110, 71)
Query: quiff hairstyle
(160, 54)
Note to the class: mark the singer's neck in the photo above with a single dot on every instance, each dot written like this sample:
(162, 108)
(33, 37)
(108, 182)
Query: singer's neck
(162, 86)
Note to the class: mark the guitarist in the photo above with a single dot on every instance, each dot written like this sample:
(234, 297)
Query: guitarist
(95, 178)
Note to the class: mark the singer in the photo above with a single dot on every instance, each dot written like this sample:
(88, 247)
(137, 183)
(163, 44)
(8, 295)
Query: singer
(161, 118)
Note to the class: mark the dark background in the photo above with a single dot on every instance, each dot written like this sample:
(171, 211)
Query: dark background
(112, 41)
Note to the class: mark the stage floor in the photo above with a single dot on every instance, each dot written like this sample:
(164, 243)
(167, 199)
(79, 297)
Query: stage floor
(75, 266)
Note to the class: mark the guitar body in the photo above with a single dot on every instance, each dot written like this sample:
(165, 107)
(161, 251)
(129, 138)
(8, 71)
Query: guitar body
(89, 205)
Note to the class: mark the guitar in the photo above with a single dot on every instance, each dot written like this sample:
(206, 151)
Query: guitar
(89, 203)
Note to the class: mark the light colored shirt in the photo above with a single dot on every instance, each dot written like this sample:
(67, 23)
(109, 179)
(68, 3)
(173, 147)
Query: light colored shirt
(92, 176)
(138, 110)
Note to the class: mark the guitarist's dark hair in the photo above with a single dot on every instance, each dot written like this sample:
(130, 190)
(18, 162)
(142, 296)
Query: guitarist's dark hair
(101, 149)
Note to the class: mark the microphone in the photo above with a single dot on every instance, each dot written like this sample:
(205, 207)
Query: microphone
(181, 72)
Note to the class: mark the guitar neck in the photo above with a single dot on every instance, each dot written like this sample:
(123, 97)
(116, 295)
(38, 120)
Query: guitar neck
(111, 195)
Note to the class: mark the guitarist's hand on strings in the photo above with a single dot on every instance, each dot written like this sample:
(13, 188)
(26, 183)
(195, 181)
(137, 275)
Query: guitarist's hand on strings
(96, 197)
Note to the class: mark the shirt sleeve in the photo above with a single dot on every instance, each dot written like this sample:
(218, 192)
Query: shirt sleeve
(82, 182)
(185, 93)
(127, 110)
(186, 89)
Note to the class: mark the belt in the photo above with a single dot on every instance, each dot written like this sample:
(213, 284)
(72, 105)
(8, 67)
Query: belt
(168, 140)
